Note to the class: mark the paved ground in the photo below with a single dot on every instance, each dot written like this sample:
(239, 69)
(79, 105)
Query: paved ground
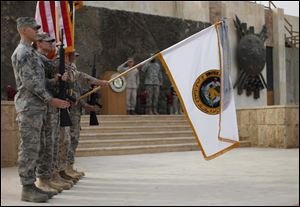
(244, 176)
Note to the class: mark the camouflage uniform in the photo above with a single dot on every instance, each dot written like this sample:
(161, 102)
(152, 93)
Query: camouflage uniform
(75, 114)
(153, 81)
(70, 139)
(31, 107)
(49, 150)
(132, 84)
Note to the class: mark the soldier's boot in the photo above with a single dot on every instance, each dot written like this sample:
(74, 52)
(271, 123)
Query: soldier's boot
(128, 112)
(70, 182)
(66, 185)
(48, 193)
(149, 111)
(72, 173)
(65, 176)
(31, 194)
(155, 111)
(81, 173)
(55, 185)
(43, 184)
(73, 176)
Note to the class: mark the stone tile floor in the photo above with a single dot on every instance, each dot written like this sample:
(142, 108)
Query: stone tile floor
(243, 176)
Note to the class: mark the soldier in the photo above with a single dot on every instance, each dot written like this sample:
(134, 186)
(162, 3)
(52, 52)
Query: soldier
(153, 81)
(48, 157)
(31, 106)
(175, 107)
(68, 149)
(133, 81)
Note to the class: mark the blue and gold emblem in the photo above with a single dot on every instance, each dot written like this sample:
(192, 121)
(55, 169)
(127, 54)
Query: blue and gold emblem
(207, 92)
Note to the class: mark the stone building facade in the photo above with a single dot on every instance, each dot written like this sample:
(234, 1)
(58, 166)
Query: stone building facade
(116, 30)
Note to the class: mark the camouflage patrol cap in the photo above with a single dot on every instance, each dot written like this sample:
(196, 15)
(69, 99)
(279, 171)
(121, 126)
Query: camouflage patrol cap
(45, 37)
(27, 21)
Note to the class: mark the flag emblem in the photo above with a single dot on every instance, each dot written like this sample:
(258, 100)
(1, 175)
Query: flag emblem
(206, 92)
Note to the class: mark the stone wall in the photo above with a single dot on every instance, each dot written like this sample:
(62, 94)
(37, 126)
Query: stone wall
(191, 10)
(271, 126)
(9, 134)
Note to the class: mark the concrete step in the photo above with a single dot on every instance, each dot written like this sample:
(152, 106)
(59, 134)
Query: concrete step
(245, 144)
(137, 134)
(102, 151)
(134, 142)
(244, 138)
(134, 117)
(137, 128)
(134, 135)
(150, 122)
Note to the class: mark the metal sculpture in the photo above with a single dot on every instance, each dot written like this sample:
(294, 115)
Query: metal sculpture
(251, 59)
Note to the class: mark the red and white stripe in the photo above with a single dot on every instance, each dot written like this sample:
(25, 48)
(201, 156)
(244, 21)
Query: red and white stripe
(45, 15)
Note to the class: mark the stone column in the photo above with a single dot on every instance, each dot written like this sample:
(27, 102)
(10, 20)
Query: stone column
(279, 68)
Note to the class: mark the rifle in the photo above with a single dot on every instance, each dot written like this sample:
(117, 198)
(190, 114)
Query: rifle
(93, 99)
(65, 119)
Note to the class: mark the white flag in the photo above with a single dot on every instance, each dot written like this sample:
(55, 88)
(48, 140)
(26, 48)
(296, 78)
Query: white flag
(196, 69)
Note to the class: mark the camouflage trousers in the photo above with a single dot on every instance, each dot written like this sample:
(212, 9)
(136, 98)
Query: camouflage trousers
(75, 114)
(56, 135)
(69, 138)
(63, 149)
(49, 144)
(32, 133)
(153, 94)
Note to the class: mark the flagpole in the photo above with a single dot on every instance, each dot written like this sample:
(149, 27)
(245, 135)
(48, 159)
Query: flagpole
(74, 24)
(56, 22)
(118, 76)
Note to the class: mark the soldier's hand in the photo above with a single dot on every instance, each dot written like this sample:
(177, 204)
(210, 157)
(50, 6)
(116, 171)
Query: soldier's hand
(90, 108)
(58, 103)
(58, 44)
(102, 83)
(65, 76)
(56, 77)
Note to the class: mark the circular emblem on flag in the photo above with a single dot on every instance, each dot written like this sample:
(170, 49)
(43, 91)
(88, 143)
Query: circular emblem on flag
(119, 84)
(206, 92)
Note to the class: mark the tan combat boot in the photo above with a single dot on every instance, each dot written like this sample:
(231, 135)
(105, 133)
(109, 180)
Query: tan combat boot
(66, 185)
(81, 173)
(72, 173)
(55, 185)
(66, 176)
(43, 184)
